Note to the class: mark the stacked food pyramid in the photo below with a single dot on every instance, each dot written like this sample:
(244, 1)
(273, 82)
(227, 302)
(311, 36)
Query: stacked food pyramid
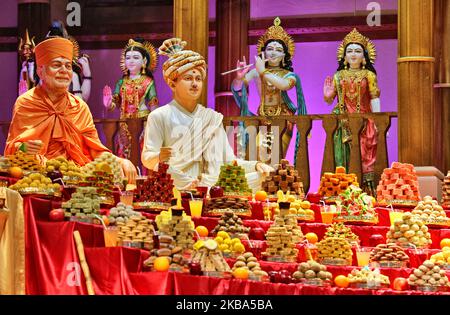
(25, 161)
(332, 184)
(284, 178)
(156, 191)
(231, 223)
(409, 230)
(105, 162)
(168, 249)
(84, 204)
(430, 212)
(398, 185)
(446, 191)
(232, 179)
(177, 224)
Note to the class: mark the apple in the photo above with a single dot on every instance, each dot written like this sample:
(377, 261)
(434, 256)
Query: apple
(400, 284)
(313, 197)
(285, 276)
(257, 233)
(274, 276)
(195, 268)
(56, 215)
(216, 192)
(375, 239)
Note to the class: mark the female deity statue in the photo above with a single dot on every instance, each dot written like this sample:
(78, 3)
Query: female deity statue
(26, 76)
(274, 76)
(356, 88)
(135, 92)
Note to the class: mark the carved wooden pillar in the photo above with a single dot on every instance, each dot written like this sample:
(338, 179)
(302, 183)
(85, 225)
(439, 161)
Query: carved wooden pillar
(33, 15)
(418, 117)
(232, 17)
(190, 23)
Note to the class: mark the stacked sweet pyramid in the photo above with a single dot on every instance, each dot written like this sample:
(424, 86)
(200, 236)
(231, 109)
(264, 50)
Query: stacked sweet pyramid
(177, 224)
(282, 236)
(231, 223)
(284, 178)
(157, 188)
(332, 184)
(25, 161)
(340, 230)
(429, 274)
(430, 212)
(107, 163)
(409, 230)
(137, 230)
(398, 185)
(446, 191)
(232, 179)
(102, 178)
(209, 256)
(84, 204)
(168, 249)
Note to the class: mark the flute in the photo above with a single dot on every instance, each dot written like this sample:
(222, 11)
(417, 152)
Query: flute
(247, 66)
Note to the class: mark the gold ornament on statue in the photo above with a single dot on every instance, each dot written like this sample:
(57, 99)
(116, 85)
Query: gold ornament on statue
(277, 32)
(151, 65)
(356, 37)
(28, 41)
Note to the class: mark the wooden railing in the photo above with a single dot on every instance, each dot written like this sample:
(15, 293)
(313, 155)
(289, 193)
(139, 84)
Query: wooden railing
(304, 125)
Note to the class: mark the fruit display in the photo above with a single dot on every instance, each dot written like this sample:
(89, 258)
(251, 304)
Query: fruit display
(230, 222)
(177, 224)
(229, 246)
(282, 236)
(442, 258)
(368, 278)
(121, 213)
(428, 274)
(446, 190)
(354, 205)
(156, 191)
(27, 162)
(83, 205)
(250, 262)
(430, 212)
(284, 178)
(300, 208)
(239, 206)
(71, 173)
(36, 183)
(210, 257)
(409, 231)
(398, 185)
(332, 184)
(334, 251)
(339, 230)
(389, 255)
(105, 162)
(136, 232)
(233, 181)
(312, 272)
(173, 253)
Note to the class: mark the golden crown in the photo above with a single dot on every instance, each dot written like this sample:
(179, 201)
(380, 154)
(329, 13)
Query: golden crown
(356, 37)
(151, 64)
(277, 32)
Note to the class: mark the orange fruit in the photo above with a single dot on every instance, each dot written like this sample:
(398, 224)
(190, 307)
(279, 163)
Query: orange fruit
(341, 281)
(312, 237)
(445, 242)
(15, 172)
(240, 273)
(261, 195)
(161, 264)
(202, 231)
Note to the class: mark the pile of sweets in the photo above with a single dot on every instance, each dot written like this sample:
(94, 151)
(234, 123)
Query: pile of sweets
(232, 179)
(137, 231)
(36, 182)
(229, 245)
(282, 235)
(340, 230)
(389, 253)
(67, 168)
(105, 162)
(231, 223)
(312, 270)
(284, 178)
(430, 212)
(178, 225)
(398, 185)
(301, 208)
(158, 187)
(249, 262)
(331, 249)
(442, 258)
(409, 230)
(371, 278)
(84, 204)
(171, 251)
(219, 205)
(210, 257)
(355, 205)
(428, 274)
(332, 184)
(446, 190)
(25, 161)
(121, 213)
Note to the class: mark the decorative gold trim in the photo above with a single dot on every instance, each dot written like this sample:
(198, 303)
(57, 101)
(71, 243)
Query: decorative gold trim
(415, 58)
(356, 37)
(148, 47)
(277, 32)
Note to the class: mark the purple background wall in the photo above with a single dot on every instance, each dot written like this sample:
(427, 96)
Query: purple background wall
(312, 61)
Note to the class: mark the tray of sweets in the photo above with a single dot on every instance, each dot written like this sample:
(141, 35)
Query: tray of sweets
(335, 261)
(430, 288)
(151, 205)
(302, 217)
(43, 192)
(397, 203)
(358, 220)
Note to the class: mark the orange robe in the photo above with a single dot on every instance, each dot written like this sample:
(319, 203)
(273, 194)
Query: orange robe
(65, 127)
